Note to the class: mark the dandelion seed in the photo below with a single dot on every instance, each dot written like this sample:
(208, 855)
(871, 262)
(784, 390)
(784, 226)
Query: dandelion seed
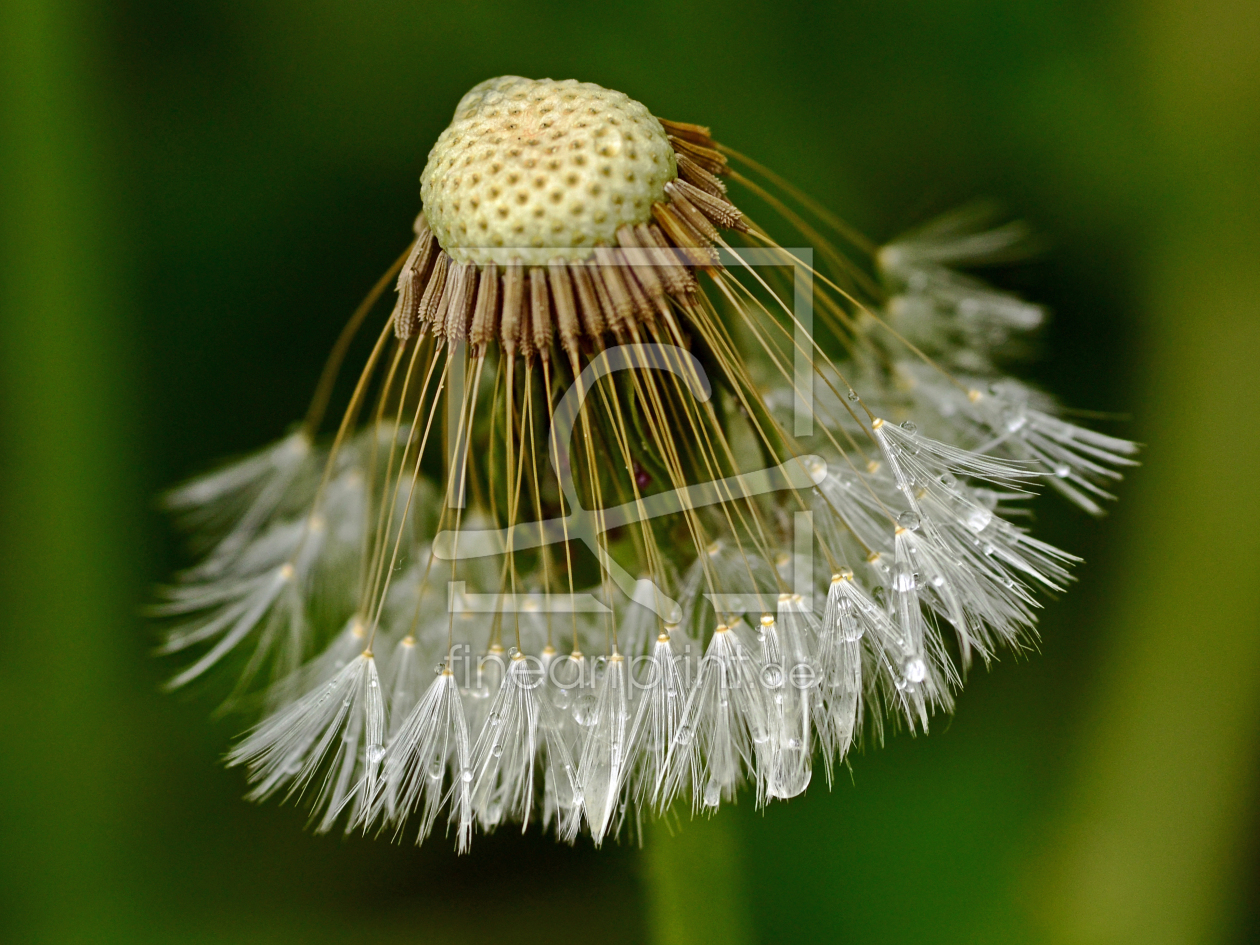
(788, 697)
(426, 762)
(723, 735)
(331, 737)
(839, 706)
(604, 763)
(520, 737)
(657, 720)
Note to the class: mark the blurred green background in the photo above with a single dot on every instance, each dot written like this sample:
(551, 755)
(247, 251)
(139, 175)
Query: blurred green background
(193, 196)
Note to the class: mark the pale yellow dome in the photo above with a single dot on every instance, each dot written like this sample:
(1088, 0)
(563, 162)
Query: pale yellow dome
(549, 168)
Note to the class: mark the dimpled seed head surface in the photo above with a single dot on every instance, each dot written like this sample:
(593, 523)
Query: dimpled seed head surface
(549, 168)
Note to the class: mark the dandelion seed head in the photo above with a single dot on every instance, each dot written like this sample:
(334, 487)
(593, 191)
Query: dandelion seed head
(775, 594)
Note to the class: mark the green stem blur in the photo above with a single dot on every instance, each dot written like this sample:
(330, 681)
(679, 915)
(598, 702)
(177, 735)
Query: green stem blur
(1161, 818)
(695, 878)
(69, 546)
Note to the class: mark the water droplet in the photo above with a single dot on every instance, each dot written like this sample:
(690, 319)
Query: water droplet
(909, 520)
(712, 793)
(437, 670)
(772, 675)
(683, 735)
(878, 594)
(852, 395)
(373, 683)
(560, 698)
(374, 754)
(794, 743)
(948, 480)
(345, 701)
(1062, 470)
(466, 775)
(978, 518)
(909, 427)
(915, 669)
(903, 581)
(435, 770)
(496, 750)
(851, 631)
(584, 709)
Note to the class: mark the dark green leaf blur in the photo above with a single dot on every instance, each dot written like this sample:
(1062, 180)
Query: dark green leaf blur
(194, 194)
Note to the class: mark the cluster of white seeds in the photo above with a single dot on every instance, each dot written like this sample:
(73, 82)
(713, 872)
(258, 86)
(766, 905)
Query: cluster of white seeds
(795, 623)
